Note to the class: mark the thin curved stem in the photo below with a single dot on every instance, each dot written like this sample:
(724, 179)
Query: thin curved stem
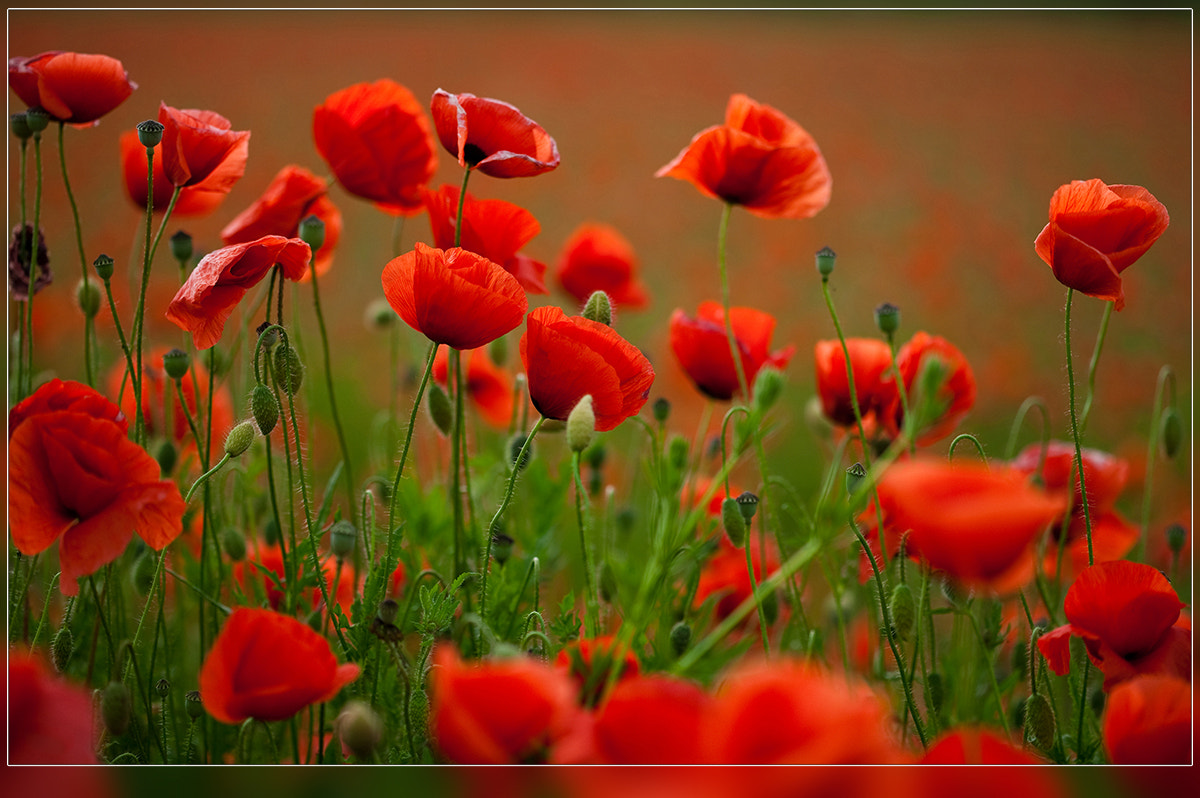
(1091, 381)
(27, 335)
(1075, 432)
(389, 554)
(734, 349)
(1165, 376)
(969, 437)
(62, 159)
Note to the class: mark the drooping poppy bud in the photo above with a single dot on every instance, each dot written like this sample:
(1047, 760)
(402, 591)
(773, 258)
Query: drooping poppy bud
(239, 438)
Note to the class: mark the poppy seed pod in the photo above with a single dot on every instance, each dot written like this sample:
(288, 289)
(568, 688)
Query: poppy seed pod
(150, 133)
(193, 705)
(855, 475)
(103, 265)
(163, 688)
(264, 408)
(37, 119)
(239, 439)
(176, 363)
(1176, 537)
(20, 126)
(733, 521)
(599, 308)
(312, 232)
(181, 246)
(887, 319)
(342, 538)
(581, 425)
(826, 260)
(747, 503)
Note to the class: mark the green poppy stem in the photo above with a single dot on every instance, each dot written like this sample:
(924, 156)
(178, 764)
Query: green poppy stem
(1075, 428)
(87, 329)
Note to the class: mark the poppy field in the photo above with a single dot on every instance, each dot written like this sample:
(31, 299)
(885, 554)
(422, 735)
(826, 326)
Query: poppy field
(692, 388)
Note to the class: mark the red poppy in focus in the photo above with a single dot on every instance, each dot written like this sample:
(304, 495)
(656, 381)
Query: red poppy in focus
(77, 88)
(569, 357)
(74, 476)
(49, 719)
(1127, 614)
(201, 148)
(590, 662)
(870, 359)
(494, 229)
(223, 277)
(197, 200)
(976, 524)
(492, 136)
(502, 711)
(726, 577)
(378, 142)
(760, 159)
(1096, 232)
(971, 746)
(453, 296)
(489, 386)
(956, 394)
(702, 349)
(598, 258)
(1148, 721)
(293, 195)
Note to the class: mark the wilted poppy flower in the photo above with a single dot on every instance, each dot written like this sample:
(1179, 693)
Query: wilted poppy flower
(975, 523)
(453, 296)
(49, 718)
(569, 357)
(500, 711)
(76, 88)
(74, 476)
(976, 746)
(1148, 721)
(18, 263)
(725, 575)
(223, 277)
(293, 195)
(268, 666)
(201, 148)
(702, 349)
(870, 359)
(495, 229)
(489, 386)
(1127, 614)
(197, 200)
(956, 394)
(492, 136)
(598, 258)
(590, 662)
(760, 159)
(378, 142)
(1096, 232)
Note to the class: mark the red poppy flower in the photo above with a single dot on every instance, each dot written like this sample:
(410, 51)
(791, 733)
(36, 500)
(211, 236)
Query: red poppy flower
(453, 296)
(1127, 614)
(293, 195)
(589, 661)
(223, 277)
(75, 477)
(201, 147)
(976, 524)
(976, 746)
(726, 577)
(492, 136)
(598, 258)
(957, 392)
(377, 140)
(498, 711)
(49, 719)
(489, 386)
(1148, 721)
(197, 200)
(760, 159)
(492, 228)
(77, 88)
(569, 357)
(870, 359)
(268, 666)
(1096, 232)
(702, 349)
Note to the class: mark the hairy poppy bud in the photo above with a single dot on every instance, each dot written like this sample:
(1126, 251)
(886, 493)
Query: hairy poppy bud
(62, 645)
(418, 709)
(150, 133)
(20, 126)
(440, 409)
(662, 409)
(770, 607)
(826, 260)
(598, 308)
(1171, 432)
(903, 609)
(181, 246)
(388, 609)
(264, 408)
(143, 572)
(1039, 721)
(681, 638)
(176, 363)
(312, 232)
(103, 265)
(239, 438)
(379, 314)
(608, 582)
(887, 319)
(234, 544)
(166, 455)
(581, 425)
(502, 546)
(515, 444)
(498, 350)
(747, 503)
(677, 452)
(37, 119)
(287, 369)
(163, 688)
(116, 708)
(1176, 537)
(87, 294)
(733, 521)
(360, 728)
(935, 692)
(342, 538)
(768, 386)
(193, 705)
(855, 474)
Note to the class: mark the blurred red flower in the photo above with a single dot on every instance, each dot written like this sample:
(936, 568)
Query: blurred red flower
(598, 258)
(1148, 721)
(569, 357)
(492, 136)
(293, 195)
(453, 296)
(378, 142)
(957, 392)
(263, 564)
(975, 523)
(76, 88)
(213, 289)
(726, 577)
(197, 200)
(702, 349)
(976, 746)
(870, 359)
(74, 476)
(494, 229)
(49, 719)
(1127, 615)
(489, 386)
(268, 666)
(500, 711)
(590, 662)
(1097, 231)
(760, 159)
(201, 147)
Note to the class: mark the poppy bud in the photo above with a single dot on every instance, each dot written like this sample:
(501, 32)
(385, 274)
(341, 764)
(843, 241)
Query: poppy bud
(855, 474)
(234, 544)
(768, 386)
(20, 126)
(103, 265)
(681, 637)
(502, 546)
(581, 424)
(287, 369)
(342, 538)
(826, 260)
(312, 232)
(935, 692)
(498, 350)
(264, 408)
(903, 609)
(598, 308)
(1176, 537)
(388, 609)
(181, 246)
(61, 647)
(176, 363)
(87, 294)
(515, 444)
(239, 438)
(733, 521)
(887, 319)
(608, 582)
(440, 409)
(37, 119)
(662, 409)
(677, 452)
(150, 133)
(1171, 432)
(418, 709)
(1039, 721)
(167, 456)
(1097, 700)
(143, 572)
(163, 688)
(360, 728)
(193, 705)
(379, 314)
(116, 708)
(747, 502)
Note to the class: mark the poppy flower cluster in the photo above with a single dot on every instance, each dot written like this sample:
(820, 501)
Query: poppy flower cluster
(75, 88)
(596, 257)
(76, 478)
(702, 348)
(491, 136)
